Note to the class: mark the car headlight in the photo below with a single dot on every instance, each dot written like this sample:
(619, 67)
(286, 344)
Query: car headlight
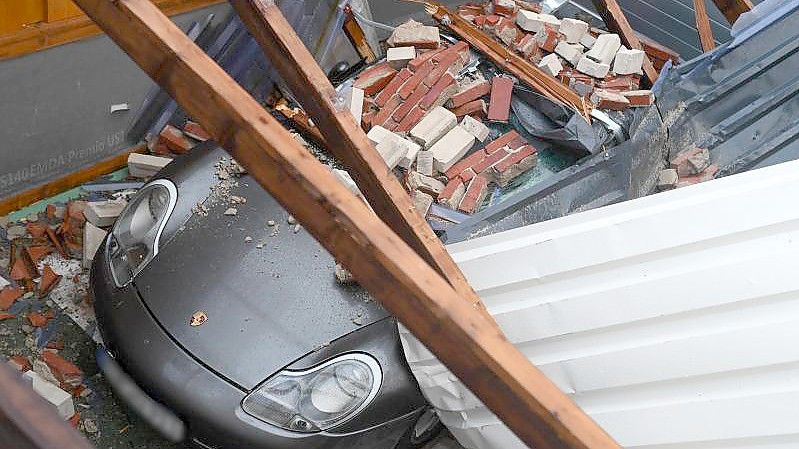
(319, 398)
(133, 241)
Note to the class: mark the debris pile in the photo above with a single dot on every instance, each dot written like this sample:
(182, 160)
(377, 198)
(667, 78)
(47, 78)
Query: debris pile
(689, 167)
(590, 61)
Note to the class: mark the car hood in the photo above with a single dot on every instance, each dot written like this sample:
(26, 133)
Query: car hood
(269, 292)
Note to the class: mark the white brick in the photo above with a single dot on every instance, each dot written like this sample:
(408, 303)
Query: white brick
(3, 283)
(534, 22)
(588, 40)
(592, 68)
(451, 148)
(92, 239)
(433, 127)
(551, 64)
(573, 29)
(145, 165)
(103, 213)
(628, 61)
(475, 127)
(424, 163)
(378, 134)
(59, 398)
(413, 32)
(398, 57)
(356, 104)
(391, 151)
(605, 48)
(422, 202)
(569, 52)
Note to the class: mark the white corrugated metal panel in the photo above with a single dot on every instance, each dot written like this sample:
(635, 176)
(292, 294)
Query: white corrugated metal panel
(673, 319)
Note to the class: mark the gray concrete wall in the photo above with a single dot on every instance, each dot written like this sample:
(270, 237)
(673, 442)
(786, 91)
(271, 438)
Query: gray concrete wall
(55, 107)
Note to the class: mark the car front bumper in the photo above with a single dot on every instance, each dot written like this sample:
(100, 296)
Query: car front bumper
(207, 405)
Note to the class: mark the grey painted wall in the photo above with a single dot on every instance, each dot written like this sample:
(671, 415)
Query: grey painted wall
(55, 107)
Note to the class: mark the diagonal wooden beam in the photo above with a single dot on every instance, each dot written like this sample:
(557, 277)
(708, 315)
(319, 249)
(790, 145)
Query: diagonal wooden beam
(703, 26)
(378, 184)
(471, 346)
(617, 22)
(732, 9)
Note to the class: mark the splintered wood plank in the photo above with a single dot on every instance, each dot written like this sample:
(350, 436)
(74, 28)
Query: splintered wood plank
(470, 345)
(617, 22)
(703, 26)
(310, 86)
(356, 36)
(732, 9)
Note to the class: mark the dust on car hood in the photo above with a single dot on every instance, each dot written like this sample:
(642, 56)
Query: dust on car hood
(269, 293)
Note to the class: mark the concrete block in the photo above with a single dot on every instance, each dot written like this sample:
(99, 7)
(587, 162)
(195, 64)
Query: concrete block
(414, 34)
(551, 64)
(605, 48)
(592, 68)
(380, 134)
(475, 127)
(588, 41)
(628, 61)
(667, 179)
(145, 165)
(569, 52)
(426, 184)
(92, 239)
(103, 213)
(356, 103)
(451, 148)
(59, 398)
(433, 127)
(399, 57)
(422, 202)
(573, 29)
(424, 163)
(391, 151)
(534, 22)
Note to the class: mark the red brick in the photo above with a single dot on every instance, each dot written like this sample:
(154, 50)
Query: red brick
(36, 229)
(63, 370)
(6, 316)
(449, 189)
(502, 10)
(410, 86)
(440, 69)
(516, 143)
(470, 8)
(160, 149)
(432, 95)
(475, 194)
(501, 93)
(58, 345)
(550, 39)
(392, 104)
(514, 158)
(375, 78)
(390, 125)
(472, 93)
(467, 175)
(196, 131)
(51, 212)
(49, 280)
(405, 74)
(640, 97)
(479, 20)
(419, 61)
(490, 160)
(492, 20)
(476, 107)
(411, 119)
(706, 175)
(469, 161)
(36, 319)
(20, 363)
(175, 140)
(20, 271)
(620, 82)
(460, 48)
(37, 253)
(56, 242)
(410, 102)
(501, 141)
(390, 89)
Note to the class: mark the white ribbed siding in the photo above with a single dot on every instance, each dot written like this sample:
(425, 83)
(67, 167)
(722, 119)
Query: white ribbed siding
(673, 319)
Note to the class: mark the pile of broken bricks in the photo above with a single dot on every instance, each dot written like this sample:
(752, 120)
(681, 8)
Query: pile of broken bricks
(590, 61)
(687, 168)
(171, 142)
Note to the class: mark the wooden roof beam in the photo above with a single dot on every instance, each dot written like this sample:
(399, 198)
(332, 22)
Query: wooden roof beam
(703, 26)
(471, 346)
(732, 9)
(318, 97)
(617, 22)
